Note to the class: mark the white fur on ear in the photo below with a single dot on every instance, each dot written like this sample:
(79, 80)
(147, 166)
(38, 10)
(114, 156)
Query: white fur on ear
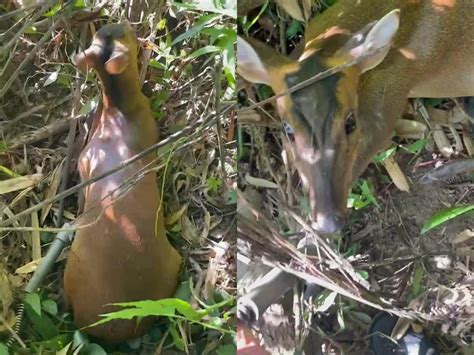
(249, 64)
(380, 37)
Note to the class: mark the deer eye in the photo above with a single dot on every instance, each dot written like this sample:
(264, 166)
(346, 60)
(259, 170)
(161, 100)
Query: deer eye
(288, 131)
(350, 124)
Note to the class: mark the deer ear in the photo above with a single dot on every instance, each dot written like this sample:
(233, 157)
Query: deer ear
(257, 62)
(87, 59)
(377, 36)
(119, 60)
(249, 63)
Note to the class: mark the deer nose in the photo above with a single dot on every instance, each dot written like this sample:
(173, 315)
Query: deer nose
(328, 223)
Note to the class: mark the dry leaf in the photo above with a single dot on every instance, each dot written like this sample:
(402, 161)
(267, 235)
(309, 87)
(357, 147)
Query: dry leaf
(189, 231)
(28, 268)
(307, 4)
(462, 237)
(35, 236)
(207, 225)
(52, 189)
(292, 8)
(260, 182)
(175, 217)
(396, 174)
(6, 293)
(442, 142)
(400, 328)
(66, 214)
(19, 183)
(410, 129)
(468, 144)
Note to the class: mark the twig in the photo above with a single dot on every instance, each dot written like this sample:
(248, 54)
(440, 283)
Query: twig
(217, 82)
(70, 139)
(146, 53)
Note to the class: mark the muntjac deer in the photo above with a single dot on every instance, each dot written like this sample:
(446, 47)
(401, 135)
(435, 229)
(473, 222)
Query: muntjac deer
(408, 48)
(122, 253)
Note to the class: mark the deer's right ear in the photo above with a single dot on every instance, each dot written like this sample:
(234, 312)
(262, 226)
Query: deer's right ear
(250, 65)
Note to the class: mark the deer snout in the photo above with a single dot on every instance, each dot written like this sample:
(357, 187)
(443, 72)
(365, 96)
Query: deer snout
(327, 213)
(328, 223)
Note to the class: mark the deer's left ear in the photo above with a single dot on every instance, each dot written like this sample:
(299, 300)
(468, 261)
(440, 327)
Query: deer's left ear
(119, 59)
(377, 36)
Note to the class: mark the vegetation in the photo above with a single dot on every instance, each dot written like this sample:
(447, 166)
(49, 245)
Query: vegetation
(188, 57)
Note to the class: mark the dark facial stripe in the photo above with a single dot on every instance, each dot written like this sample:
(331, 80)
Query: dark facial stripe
(315, 104)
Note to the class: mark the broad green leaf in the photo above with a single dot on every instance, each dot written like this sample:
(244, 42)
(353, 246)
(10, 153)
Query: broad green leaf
(193, 31)
(226, 349)
(42, 324)
(293, 29)
(33, 300)
(417, 147)
(445, 215)
(204, 50)
(93, 349)
(51, 307)
(156, 64)
(3, 349)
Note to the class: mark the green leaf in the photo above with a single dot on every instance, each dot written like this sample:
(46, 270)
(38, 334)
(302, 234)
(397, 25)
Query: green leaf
(214, 183)
(417, 278)
(384, 155)
(57, 343)
(169, 307)
(367, 192)
(226, 349)
(445, 215)
(79, 4)
(417, 147)
(204, 50)
(8, 172)
(93, 349)
(193, 31)
(232, 197)
(156, 64)
(42, 324)
(54, 10)
(33, 300)
(51, 307)
(3, 349)
(177, 340)
(293, 29)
